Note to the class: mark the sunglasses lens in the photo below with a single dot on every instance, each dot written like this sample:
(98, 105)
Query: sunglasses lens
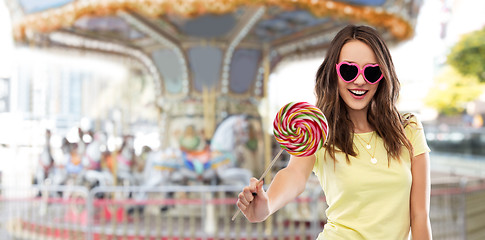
(372, 74)
(348, 72)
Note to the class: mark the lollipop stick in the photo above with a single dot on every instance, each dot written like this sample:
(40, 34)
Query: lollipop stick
(270, 165)
(261, 178)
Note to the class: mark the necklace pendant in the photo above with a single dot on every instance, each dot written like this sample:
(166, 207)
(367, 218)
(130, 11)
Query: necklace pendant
(373, 160)
(368, 146)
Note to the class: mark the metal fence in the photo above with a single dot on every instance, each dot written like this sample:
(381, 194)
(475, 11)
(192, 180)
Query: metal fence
(188, 212)
(458, 209)
(202, 212)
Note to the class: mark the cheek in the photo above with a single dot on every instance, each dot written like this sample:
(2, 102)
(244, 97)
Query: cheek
(373, 90)
(342, 90)
(342, 86)
(375, 87)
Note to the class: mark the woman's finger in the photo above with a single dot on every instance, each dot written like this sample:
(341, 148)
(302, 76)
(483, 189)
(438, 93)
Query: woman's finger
(243, 199)
(241, 206)
(259, 187)
(248, 193)
(253, 181)
(254, 184)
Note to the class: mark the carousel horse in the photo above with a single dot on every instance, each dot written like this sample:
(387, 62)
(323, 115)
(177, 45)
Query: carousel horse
(161, 169)
(46, 162)
(229, 137)
(125, 161)
(93, 174)
(74, 165)
(92, 156)
(45, 168)
(217, 162)
(60, 175)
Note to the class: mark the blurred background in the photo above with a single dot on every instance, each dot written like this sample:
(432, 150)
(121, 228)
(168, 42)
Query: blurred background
(142, 119)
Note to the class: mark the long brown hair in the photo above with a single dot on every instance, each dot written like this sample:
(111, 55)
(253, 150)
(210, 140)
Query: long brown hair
(382, 113)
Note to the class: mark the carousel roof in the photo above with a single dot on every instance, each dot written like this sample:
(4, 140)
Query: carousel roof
(191, 44)
(209, 18)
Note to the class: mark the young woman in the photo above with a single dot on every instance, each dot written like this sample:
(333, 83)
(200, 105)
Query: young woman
(374, 168)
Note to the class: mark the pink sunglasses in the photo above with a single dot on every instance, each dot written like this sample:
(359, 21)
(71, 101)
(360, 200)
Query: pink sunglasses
(348, 72)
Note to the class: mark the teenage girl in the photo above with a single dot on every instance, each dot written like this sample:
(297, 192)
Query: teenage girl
(374, 168)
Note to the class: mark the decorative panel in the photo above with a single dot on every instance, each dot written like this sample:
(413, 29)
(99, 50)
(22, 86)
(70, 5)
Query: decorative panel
(365, 2)
(32, 6)
(114, 26)
(244, 66)
(170, 68)
(205, 66)
(206, 26)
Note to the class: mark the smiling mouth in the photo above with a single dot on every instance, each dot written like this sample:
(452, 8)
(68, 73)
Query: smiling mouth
(358, 93)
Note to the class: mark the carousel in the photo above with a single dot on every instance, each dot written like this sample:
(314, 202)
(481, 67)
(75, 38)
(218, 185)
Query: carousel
(209, 62)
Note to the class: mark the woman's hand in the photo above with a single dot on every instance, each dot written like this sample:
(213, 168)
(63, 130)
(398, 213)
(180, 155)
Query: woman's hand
(257, 205)
(253, 201)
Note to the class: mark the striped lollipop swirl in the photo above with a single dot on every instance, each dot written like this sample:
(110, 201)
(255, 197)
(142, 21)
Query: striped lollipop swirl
(300, 128)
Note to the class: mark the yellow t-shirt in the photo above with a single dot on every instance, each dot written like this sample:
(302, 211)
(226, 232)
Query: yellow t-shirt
(368, 200)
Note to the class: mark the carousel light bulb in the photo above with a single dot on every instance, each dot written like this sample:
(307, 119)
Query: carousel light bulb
(348, 10)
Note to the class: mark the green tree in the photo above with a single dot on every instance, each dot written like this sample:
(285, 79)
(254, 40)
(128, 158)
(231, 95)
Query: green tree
(468, 54)
(452, 90)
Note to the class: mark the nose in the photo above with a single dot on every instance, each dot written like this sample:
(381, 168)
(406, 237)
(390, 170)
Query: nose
(360, 80)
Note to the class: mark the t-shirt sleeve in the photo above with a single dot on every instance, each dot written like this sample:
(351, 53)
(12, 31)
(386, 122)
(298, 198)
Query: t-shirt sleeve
(415, 133)
(317, 167)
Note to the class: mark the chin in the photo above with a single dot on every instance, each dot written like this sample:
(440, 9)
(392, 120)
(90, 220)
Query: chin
(357, 107)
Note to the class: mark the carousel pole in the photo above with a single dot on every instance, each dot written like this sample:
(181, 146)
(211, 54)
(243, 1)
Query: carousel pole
(209, 111)
(209, 115)
(162, 121)
(114, 163)
(114, 155)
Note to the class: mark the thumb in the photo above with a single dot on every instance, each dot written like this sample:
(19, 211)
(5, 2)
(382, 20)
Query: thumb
(259, 187)
(253, 181)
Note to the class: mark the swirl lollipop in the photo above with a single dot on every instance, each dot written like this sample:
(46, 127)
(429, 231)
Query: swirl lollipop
(301, 129)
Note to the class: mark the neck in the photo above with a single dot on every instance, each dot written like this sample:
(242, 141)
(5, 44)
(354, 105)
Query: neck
(360, 121)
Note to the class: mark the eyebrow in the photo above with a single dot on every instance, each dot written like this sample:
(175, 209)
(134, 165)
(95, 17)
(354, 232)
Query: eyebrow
(350, 61)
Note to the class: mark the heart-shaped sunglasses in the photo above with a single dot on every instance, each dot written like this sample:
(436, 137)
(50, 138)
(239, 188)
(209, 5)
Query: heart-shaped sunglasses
(348, 72)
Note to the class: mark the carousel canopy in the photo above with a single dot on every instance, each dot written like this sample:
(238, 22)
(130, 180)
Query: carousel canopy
(191, 45)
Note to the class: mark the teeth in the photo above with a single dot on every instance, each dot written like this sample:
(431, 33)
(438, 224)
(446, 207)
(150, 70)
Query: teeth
(357, 92)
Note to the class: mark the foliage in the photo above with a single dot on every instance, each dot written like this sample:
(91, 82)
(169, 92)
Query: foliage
(468, 55)
(452, 90)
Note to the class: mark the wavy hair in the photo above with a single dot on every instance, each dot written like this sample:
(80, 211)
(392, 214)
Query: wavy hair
(382, 113)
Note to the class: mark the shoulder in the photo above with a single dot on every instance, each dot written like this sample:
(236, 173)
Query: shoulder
(411, 121)
(414, 131)
(413, 126)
